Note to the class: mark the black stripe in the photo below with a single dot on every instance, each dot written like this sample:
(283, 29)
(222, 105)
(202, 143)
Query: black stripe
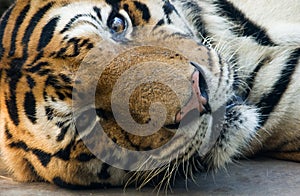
(168, 10)
(36, 59)
(14, 74)
(73, 46)
(53, 81)
(251, 79)
(159, 23)
(30, 81)
(47, 33)
(84, 157)
(62, 133)
(61, 96)
(13, 109)
(65, 78)
(17, 26)
(270, 101)
(76, 18)
(104, 175)
(64, 154)
(7, 133)
(20, 145)
(30, 107)
(246, 27)
(44, 158)
(114, 3)
(197, 20)
(144, 9)
(49, 113)
(37, 67)
(15, 71)
(33, 170)
(98, 12)
(45, 72)
(221, 75)
(37, 17)
(3, 24)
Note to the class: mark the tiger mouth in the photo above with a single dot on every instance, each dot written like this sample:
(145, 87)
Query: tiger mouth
(198, 105)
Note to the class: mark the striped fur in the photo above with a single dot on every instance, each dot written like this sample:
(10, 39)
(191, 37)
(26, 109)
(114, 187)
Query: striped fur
(251, 60)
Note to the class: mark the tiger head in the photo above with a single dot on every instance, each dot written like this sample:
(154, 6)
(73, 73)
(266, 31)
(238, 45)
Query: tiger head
(94, 91)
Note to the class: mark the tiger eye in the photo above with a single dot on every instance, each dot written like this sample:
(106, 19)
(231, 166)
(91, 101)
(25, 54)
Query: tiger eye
(118, 25)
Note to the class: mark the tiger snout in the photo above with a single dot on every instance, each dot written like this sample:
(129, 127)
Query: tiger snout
(146, 92)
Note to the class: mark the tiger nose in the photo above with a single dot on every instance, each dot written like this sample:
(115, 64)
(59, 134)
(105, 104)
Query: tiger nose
(199, 99)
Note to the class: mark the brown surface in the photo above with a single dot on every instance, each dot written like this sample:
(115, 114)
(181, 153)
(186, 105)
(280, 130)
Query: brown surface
(255, 177)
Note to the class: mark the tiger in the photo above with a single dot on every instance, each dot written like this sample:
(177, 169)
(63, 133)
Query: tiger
(226, 71)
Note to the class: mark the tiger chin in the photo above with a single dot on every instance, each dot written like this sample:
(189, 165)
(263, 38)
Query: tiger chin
(100, 94)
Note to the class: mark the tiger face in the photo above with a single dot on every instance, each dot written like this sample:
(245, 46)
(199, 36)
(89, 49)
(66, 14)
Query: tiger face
(72, 114)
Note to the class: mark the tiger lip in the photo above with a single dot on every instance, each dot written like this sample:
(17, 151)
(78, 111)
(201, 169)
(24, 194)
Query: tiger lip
(196, 102)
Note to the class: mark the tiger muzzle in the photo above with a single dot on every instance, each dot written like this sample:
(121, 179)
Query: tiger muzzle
(199, 99)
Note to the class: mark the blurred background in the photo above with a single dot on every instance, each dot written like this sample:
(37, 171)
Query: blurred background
(4, 4)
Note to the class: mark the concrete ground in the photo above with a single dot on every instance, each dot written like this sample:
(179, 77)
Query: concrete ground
(260, 176)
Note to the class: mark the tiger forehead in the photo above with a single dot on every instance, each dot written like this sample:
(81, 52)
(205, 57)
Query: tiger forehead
(139, 11)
